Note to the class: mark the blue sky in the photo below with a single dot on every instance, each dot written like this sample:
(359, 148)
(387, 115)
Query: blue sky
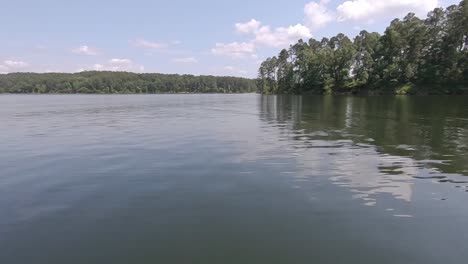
(178, 36)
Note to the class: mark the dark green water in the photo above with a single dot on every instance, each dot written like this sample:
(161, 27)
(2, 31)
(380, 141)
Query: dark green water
(233, 179)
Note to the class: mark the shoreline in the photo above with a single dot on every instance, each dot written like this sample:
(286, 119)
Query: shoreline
(360, 93)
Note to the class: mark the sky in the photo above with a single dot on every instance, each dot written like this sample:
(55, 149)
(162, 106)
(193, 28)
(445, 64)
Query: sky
(203, 37)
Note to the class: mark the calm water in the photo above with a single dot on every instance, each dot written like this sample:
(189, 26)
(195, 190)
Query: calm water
(233, 179)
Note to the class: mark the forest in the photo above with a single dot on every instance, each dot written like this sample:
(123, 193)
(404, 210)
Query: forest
(121, 83)
(412, 56)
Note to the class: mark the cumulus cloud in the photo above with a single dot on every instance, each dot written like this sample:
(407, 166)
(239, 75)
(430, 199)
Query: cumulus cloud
(185, 60)
(370, 10)
(317, 15)
(12, 66)
(234, 49)
(281, 36)
(261, 36)
(120, 61)
(116, 64)
(249, 27)
(142, 43)
(86, 50)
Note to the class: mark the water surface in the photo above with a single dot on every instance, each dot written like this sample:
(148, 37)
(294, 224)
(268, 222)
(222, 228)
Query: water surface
(233, 179)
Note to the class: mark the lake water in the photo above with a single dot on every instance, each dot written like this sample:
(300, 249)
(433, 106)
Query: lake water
(233, 179)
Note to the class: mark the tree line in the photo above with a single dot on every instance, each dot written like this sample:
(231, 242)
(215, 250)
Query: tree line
(412, 56)
(121, 82)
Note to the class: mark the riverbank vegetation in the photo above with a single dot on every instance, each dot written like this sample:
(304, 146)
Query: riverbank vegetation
(412, 56)
(121, 82)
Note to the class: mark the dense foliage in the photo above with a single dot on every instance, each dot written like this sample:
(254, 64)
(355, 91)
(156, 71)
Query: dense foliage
(413, 55)
(121, 82)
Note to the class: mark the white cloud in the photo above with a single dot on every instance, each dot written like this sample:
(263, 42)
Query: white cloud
(281, 36)
(369, 10)
(3, 69)
(250, 27)
(86, 50)
(317, 15)
(120, 61)
(98, 67)
(262, 36)
(235, 49)
(234, 70)
(12, 64)
(116, 64)
(142, 43)
(185, 60)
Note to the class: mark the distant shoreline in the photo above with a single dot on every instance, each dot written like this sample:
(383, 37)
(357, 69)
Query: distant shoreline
(39, 94)
(99, 82)
(125, 83)
(359, 94)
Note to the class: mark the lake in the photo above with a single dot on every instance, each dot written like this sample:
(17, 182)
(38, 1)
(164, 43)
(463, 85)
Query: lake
(233, 179)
